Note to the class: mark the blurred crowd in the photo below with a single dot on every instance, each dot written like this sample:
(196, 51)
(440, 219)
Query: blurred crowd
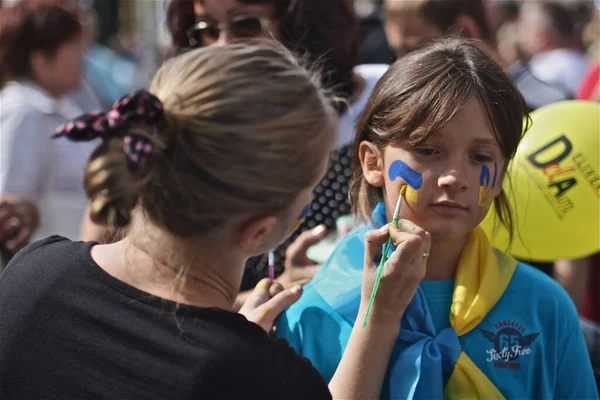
(53, 68)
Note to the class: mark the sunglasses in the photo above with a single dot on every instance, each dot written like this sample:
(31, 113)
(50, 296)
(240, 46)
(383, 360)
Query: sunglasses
(242, 27)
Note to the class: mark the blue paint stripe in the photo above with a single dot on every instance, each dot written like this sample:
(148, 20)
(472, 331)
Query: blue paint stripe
(400, 169)
(484, 177)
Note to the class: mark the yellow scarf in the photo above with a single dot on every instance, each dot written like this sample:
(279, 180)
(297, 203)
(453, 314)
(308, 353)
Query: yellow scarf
(481, 279)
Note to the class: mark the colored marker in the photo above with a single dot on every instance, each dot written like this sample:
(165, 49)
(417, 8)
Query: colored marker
(271, 266)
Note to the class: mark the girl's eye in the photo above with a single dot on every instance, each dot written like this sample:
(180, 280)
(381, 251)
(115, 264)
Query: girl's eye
(426, 152)
(482, 158)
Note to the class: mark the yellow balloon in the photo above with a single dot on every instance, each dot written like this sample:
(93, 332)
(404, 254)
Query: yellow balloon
(554, 186)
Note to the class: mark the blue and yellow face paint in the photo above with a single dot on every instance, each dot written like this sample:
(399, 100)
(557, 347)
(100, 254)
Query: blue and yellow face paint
(303, 214)
(485, 195)
(413, 179)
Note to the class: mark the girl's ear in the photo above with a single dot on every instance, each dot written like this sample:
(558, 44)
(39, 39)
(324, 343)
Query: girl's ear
(371, 161)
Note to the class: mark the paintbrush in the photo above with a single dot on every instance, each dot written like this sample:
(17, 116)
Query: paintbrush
(271, 261)
(384, 256)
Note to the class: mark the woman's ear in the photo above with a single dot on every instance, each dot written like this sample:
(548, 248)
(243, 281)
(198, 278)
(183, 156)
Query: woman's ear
(371, 161)
(254, 234)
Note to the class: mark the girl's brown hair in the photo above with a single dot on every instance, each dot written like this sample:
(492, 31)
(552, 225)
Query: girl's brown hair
(421, 93)
(245, 130)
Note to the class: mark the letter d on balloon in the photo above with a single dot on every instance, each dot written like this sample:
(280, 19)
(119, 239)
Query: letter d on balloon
(568, 147)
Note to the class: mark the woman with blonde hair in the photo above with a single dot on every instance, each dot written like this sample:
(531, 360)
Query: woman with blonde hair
(212, 166)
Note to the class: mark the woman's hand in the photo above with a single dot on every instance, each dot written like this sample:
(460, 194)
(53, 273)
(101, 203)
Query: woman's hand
(19, 217)
(402, 273)
(267, 301)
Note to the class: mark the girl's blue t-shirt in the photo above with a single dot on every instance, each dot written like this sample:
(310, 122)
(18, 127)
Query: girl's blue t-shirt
(439, 299)
(529, 345)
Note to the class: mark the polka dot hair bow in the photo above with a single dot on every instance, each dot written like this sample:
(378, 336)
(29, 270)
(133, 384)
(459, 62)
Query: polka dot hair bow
(137, 107)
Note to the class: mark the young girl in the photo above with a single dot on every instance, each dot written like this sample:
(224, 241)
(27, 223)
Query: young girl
(445, 121)
(212, 166)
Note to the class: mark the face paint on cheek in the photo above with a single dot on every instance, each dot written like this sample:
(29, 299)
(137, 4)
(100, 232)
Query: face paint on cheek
(413, 178)
(485, 195)
(303, 214)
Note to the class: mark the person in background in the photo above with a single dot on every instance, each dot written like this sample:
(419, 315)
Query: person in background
(410, 25)
(502, 18)
(325, 31)
(106, 74)
(550, 38)
(41, 51)
(84, 96)
(499, 12)
(373, 45)
(184, 169)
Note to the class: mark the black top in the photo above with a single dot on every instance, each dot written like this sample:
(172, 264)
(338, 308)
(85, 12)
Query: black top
(69, 330)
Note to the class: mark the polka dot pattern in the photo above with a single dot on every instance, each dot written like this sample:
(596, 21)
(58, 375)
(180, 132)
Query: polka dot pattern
(138, 106)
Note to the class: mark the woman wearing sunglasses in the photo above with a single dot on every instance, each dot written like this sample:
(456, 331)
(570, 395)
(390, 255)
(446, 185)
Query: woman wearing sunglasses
(324, 30)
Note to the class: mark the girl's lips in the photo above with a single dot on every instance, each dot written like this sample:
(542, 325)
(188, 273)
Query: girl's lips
(448, 208)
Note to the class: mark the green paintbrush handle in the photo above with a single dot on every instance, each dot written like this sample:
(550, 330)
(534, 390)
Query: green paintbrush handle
(386, 249)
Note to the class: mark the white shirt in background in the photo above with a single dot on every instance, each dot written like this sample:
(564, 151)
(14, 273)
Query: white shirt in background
(48, 171)
(347, 122)
(564, 68)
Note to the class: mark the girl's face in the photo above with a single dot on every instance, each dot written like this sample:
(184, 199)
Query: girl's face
(455, 174)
